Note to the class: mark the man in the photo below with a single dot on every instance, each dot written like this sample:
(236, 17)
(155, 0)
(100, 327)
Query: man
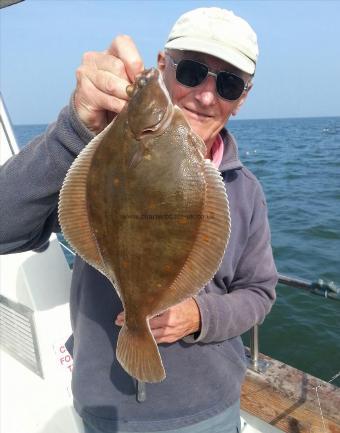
(207, 66)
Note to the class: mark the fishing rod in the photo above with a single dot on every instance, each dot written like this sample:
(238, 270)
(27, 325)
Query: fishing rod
(320, 287)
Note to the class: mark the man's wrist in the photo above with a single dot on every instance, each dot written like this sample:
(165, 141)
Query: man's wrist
(78, 125)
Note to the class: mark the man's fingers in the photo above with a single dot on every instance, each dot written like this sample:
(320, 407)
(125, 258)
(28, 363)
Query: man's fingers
(120, 319)
(125, 49)
(105, 62)
(160, 333)
(108, 83)
(103, 100)
(102, 79)
(165, 335)
(159, 321)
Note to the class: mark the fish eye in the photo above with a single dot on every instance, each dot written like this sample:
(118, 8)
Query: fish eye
(142, 81)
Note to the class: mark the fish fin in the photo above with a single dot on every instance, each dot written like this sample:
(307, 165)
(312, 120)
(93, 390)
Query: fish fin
(138, 354)
(207, 253)
(72, 210)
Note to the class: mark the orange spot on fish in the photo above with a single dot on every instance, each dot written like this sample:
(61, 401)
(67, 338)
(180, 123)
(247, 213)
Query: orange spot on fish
(182, 220)
(116, 181)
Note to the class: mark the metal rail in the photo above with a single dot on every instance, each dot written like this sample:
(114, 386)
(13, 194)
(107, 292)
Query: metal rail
(322, 288)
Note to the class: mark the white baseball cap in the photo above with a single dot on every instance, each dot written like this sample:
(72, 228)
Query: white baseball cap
(217, 32)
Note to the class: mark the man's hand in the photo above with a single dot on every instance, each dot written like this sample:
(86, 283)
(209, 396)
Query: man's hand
(173, 324)
(102, 79)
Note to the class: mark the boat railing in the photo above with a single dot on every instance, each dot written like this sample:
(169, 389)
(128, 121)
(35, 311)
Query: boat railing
(6, 130)
(322, 288)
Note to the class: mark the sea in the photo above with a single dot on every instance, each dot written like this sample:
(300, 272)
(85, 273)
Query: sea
(298, 164)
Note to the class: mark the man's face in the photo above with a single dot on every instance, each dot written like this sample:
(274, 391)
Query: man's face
(204, 109)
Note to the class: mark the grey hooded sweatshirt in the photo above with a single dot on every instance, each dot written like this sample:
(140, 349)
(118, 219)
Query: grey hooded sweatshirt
(204, 371)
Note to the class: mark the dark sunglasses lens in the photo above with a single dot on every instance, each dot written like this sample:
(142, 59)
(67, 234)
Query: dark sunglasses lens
(190, 73)
(229, 86)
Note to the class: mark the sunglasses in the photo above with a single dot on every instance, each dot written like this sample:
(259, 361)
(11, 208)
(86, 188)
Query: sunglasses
(191, 73)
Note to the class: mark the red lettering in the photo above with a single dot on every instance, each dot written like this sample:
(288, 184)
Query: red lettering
(65, 359)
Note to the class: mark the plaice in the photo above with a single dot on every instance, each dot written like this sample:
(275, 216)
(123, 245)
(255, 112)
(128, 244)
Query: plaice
(143, 206)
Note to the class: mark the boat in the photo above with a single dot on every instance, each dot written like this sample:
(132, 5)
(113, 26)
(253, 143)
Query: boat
(34, 325)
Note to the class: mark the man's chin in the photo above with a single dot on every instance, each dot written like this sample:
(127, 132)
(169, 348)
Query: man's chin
(196, 125)
(199, 131)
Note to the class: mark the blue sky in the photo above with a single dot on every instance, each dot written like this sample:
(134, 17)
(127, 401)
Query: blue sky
(42, 42)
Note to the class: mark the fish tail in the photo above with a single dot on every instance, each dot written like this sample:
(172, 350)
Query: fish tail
(138, 354)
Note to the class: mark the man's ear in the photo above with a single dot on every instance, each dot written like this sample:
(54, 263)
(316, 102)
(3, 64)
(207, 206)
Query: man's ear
(161, 61)
(242, 100)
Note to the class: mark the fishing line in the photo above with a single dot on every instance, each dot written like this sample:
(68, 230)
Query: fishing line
(319, 403)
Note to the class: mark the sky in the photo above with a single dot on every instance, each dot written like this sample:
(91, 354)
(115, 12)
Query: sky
(42, 42)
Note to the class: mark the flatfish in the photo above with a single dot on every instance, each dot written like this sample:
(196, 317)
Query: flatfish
(144, 207)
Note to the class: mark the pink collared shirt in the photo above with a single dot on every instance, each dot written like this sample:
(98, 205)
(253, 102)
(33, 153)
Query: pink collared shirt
(217, 150)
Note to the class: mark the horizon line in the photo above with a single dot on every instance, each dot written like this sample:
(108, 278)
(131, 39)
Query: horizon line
(229, 120)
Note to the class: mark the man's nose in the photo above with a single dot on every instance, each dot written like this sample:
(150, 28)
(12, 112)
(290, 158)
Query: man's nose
(206, 92)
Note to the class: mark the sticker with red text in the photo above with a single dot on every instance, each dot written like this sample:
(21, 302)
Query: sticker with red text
(64, 363)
